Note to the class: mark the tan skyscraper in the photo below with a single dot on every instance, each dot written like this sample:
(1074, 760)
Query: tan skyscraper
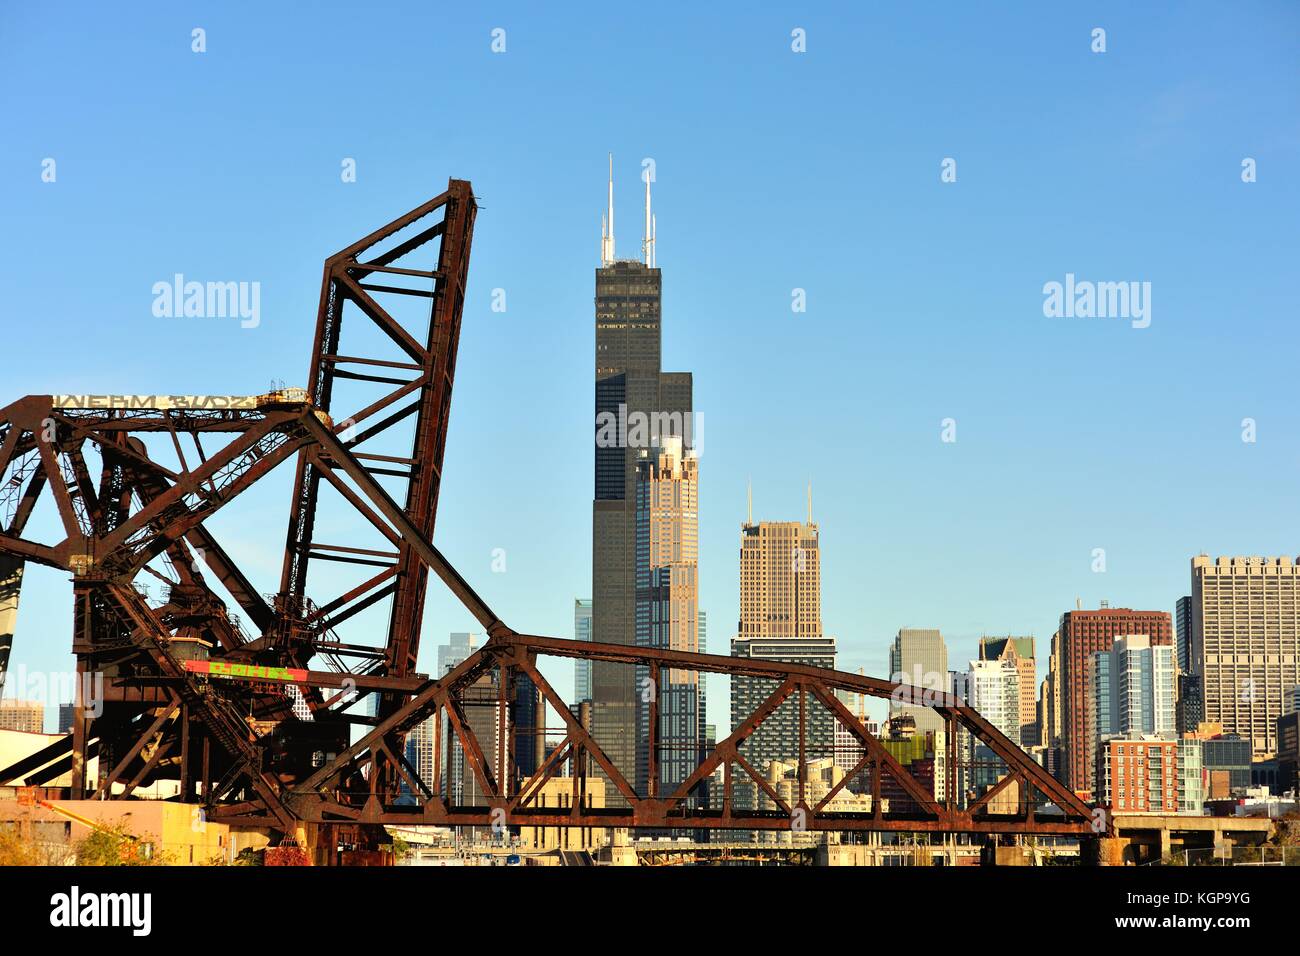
(780, 620)
(780, 580)
(1246, 638)
(1049, 714)
(667, 607)
(1049, 703)
(668, 530)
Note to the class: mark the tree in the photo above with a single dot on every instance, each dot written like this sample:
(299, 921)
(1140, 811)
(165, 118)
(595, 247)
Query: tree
(114, 845)
(401, 849)
(1286, 830)
(18, 846)
(249, 857)
(286, 854)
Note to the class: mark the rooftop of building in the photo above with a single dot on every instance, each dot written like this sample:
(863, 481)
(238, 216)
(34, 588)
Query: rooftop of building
(994, 647)
(753, 527)
(1244, 561)
(629, 265)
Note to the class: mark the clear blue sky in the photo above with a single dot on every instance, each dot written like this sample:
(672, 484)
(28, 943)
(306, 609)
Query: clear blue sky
(775, 171)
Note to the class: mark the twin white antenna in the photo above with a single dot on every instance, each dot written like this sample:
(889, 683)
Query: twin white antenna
(607, 225)
(749, 502)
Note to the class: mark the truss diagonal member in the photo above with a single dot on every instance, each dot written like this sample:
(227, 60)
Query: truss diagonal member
(344, 459)
(533, 785)
(218, 560)
(405, 770)
(54, 476)
(351, 252)
(1017, 761)
(326, 613)
(8, 442)
(23, 511)
(164, 713)
(760, 780)
(173, 514)
(413, 776)
(354, 499)
(92, 515)
(724, 750)
(377, 314)
(211, 709)
(31, 551)
(432, 694)
(59, 768)
(469, 743)
(860, 766)
(164, 748)
(987, 796)
(905, 779)
(577, 732)
(42, 757)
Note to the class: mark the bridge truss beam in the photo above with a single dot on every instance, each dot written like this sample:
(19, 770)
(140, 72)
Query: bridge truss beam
(148, 708)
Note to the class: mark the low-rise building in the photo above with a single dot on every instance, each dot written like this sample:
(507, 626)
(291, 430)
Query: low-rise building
(1191, 775)
(557, 793)
(1138, 774)
(1227, 759)
(823, 775)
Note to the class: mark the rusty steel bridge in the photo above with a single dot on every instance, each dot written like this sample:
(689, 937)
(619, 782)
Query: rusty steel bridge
(135, 482)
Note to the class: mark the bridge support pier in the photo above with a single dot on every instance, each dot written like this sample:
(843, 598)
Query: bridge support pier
(1102, 850)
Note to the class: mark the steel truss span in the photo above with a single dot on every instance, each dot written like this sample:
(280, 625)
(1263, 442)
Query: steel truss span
(249, 701)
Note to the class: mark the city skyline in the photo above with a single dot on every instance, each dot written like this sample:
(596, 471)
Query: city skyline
(373, 469)
(1009, 502)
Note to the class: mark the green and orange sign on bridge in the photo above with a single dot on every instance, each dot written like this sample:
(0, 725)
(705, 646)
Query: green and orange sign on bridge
(288, 675)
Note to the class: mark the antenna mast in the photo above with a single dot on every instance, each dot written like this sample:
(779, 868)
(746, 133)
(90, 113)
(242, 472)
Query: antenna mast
(607, 223)
(648, 242)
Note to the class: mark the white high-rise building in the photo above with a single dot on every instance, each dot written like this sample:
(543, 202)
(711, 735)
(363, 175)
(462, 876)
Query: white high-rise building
(1143, 679)
(994, 690)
